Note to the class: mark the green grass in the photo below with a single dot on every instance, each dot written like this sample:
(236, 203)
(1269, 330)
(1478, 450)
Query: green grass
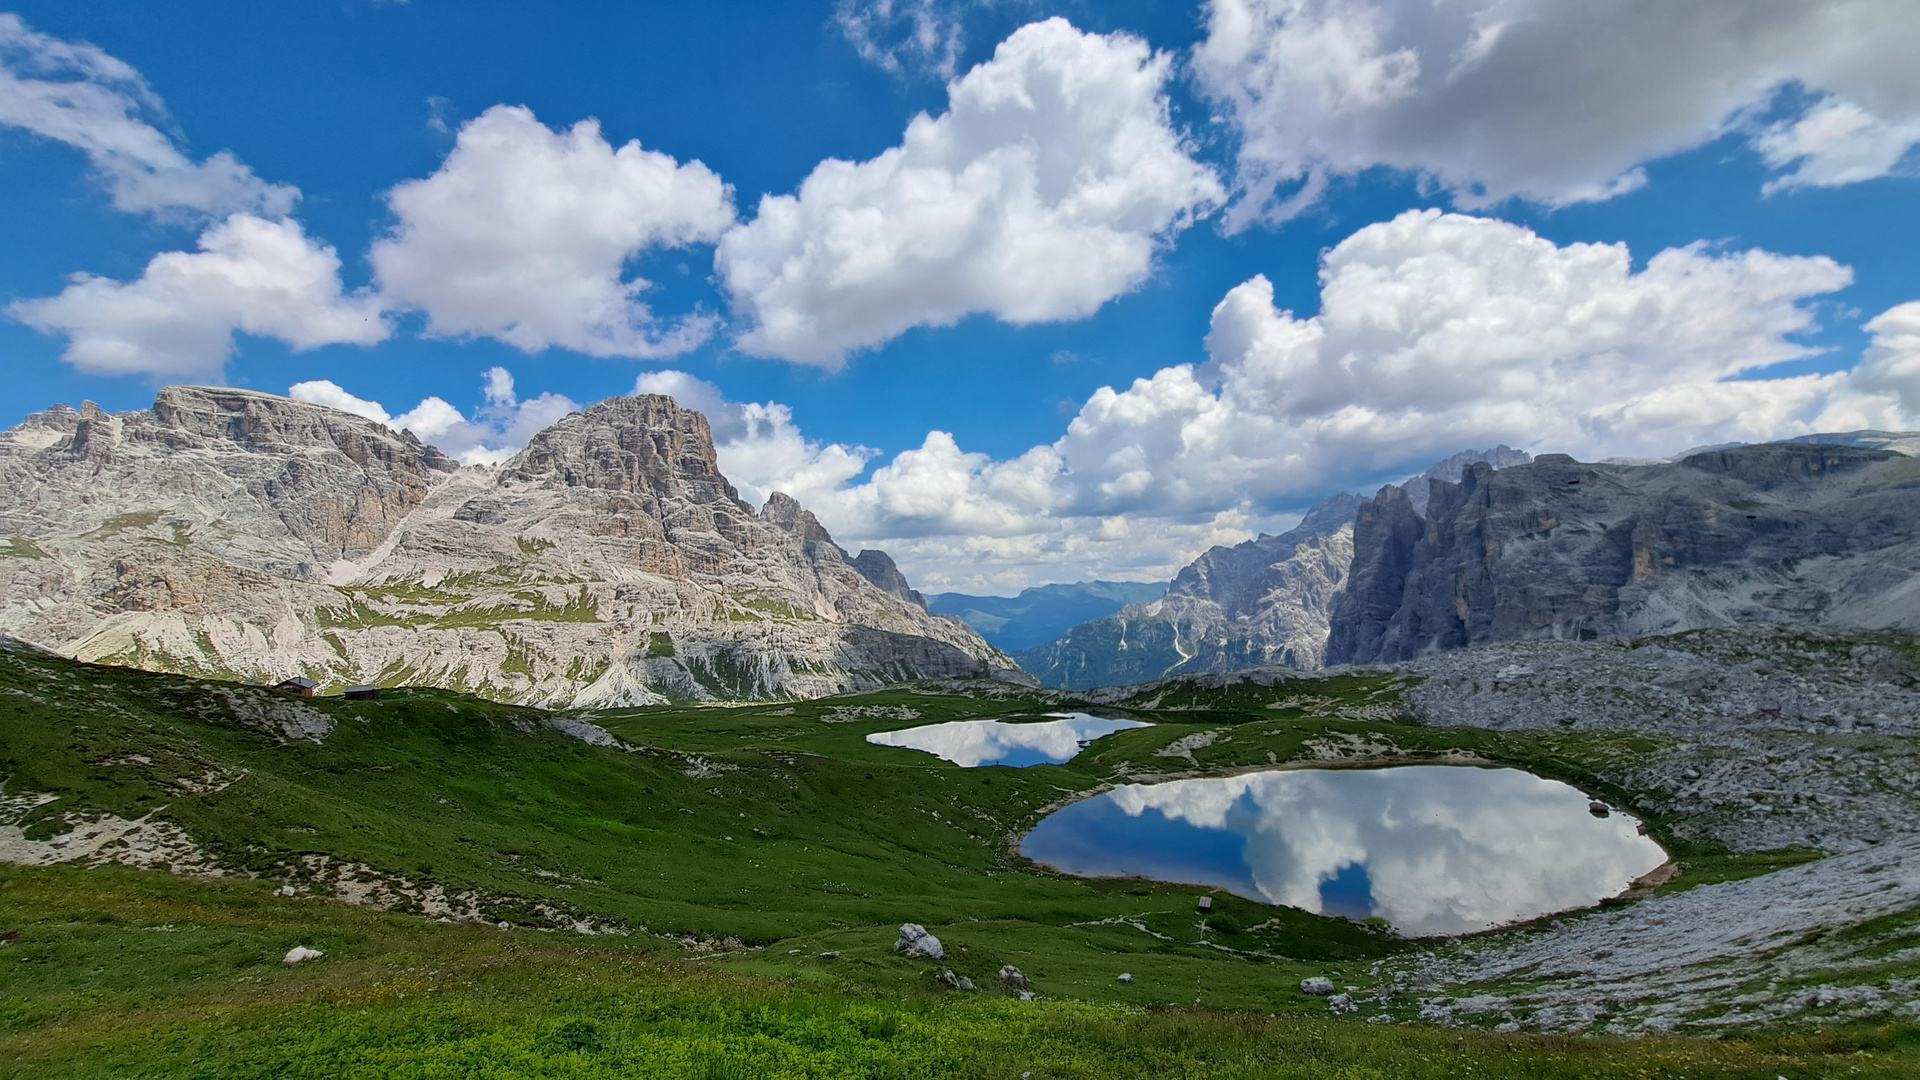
(128, 973)
(19, 547)
(763, 836)
(119, 523)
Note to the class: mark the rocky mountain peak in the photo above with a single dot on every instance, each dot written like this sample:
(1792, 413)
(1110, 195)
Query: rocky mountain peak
(643, 445)
(1774, 462)
(246, 535)
(878, 567)
(207, 416)
(1804, 534)
(262, 481)
(1452, 469)
(784, 512)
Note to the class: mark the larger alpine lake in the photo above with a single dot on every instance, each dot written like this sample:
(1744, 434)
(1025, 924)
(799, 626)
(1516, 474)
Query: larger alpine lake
(1431, 849)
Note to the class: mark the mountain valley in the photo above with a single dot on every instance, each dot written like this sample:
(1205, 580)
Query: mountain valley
(627, 724)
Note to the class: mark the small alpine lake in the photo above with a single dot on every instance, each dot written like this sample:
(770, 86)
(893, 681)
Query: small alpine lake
(1431, 849)
(973, 743)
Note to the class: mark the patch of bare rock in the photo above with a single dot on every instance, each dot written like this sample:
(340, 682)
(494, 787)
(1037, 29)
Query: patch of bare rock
(254, 537)
(1760, 739)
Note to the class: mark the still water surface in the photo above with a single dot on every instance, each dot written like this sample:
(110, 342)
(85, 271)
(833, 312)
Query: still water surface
(1432, 849)
(972, 743)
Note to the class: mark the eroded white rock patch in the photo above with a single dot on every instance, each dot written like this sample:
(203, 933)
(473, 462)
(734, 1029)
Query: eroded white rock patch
(100, 839)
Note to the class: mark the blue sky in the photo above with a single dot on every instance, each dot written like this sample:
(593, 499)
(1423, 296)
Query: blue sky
(1087, 201)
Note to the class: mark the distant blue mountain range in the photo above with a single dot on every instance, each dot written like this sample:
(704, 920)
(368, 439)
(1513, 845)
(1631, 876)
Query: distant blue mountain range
(1041, 614)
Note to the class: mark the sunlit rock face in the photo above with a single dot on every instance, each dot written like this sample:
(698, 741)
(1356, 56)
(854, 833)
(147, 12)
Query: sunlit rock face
(1263, 603)
(1433, 850)
(1251, 605)
(1790, 534)
(973, 743)
(243, 535)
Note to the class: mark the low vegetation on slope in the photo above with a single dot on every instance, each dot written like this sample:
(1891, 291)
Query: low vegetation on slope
(719, 854)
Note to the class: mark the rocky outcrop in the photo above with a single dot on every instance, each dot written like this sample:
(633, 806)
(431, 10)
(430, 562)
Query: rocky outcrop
(1800, 534)
(1757, 737)
(1263, 603)
(1452, 469)
(242, 535)
(878, 568)
(257, 481)
(1254, 604)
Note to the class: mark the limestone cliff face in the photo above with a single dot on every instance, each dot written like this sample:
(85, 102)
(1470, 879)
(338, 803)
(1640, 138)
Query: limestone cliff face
(259, 481)
(1255, 604)
(1263, 603)
(232, 533)
(1800, 534)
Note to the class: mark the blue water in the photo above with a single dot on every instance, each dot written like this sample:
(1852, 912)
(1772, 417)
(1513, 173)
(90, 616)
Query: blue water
(1432, 849)
(975, 743)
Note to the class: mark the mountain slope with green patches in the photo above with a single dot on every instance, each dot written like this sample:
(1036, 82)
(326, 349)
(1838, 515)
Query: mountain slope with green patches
(714, 857)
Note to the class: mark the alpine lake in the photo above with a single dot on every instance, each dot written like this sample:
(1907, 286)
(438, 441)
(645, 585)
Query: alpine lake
(1429, 850)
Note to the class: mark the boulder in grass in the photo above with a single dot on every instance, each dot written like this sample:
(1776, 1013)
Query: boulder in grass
(1011, 978)
(956, 982)
(917, 943)
(1317, 986)
(300, 954)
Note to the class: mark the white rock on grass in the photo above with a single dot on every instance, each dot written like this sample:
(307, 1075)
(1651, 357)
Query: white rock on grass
(1316, 986)
(956, 982)
(300, 954)
(917, 943)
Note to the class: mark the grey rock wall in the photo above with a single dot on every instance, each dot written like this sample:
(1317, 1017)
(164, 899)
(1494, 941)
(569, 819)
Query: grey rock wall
(243, 535)
(1801, 534)
(1254, 604)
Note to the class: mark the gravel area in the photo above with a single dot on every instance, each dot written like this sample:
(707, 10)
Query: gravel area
(1766, 740)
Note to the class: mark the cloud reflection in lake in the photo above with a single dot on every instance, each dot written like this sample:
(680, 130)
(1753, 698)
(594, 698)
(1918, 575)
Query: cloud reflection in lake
(1431, 849)
(973, 743)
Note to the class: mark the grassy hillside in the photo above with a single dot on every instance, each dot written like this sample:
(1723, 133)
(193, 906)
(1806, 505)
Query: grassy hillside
(733, 846)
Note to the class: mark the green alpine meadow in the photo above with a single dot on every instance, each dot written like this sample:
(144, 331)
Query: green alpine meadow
(896, 539)
(715, 893)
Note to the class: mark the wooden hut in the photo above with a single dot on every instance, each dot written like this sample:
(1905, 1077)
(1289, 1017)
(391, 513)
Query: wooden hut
(296, 686)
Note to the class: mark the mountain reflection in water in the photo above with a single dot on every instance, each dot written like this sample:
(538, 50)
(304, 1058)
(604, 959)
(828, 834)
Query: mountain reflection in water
(1432, 849)
(972, 743)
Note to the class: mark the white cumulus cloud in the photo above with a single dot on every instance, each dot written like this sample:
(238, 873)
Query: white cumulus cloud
(1437, 332)
(82, 96)
(495, 432)
(1891, 365)
(1549, 101)
(1041, 194)
(178, 319)
(333, 396)
(898, 35)
(524, 235)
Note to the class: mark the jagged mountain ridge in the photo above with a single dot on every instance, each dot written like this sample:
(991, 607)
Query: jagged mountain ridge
(1253, 604)
(1261, 603)
(241, 534)
(1811, 533)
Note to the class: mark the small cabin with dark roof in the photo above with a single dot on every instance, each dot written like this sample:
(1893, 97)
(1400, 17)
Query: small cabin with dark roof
(361, 693)
(296, 686)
